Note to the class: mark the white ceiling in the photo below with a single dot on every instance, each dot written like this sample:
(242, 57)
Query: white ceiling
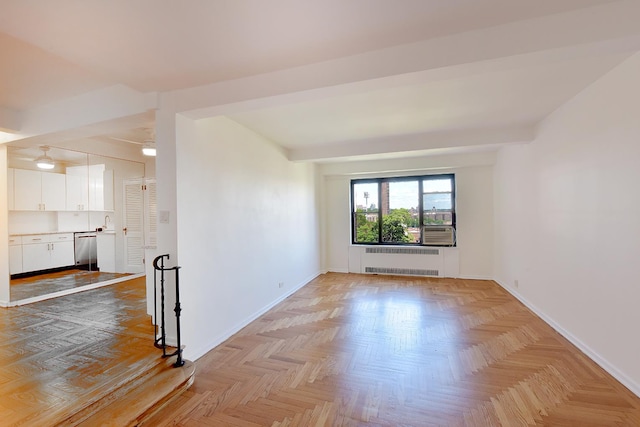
(53, 51)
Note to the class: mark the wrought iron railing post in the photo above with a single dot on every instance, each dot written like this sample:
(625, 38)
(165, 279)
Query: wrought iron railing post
(158, 265)
(178, 310)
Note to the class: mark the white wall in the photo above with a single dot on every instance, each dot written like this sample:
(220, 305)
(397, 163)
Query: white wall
(474, 182)
(247, 220)
(568, 221)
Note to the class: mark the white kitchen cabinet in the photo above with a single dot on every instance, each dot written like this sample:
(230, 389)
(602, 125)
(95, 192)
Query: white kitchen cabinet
(96, 193)
(28, 190)
(77, 198)
(53, 191)
(15, 255)
(38, 191)
(46, 251)
(35, 256)
(107, 252)
(10, 190)
(109, 203)
(89, 188)
(62, 254)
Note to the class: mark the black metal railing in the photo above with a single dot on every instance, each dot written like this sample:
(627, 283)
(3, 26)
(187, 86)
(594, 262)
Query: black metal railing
(161, 341)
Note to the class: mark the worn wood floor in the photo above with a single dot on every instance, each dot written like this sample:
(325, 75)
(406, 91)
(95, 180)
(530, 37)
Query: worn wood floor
(65, 352)
(29, 287)
(355, 350)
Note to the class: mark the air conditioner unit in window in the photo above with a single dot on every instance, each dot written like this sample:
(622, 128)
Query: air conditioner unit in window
(438, 235)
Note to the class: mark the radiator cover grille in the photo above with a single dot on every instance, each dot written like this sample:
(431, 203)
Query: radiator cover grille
(403, 271)
(404, 251)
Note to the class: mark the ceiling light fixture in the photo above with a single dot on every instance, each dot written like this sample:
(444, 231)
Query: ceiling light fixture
(149, 148)
(44, 161)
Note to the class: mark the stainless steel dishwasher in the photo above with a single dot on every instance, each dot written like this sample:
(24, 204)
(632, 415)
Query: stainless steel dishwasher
(86, 250)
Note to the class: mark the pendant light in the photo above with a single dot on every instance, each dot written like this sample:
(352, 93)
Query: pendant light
(149, 148)
(44, 161)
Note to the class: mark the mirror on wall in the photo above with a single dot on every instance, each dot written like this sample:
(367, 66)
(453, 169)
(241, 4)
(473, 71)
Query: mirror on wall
(65, 219)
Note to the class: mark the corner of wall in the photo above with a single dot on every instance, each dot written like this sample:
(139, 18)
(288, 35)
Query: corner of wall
(595, 356)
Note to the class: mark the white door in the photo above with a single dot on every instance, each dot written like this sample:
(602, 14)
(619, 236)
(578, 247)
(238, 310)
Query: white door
(150, 213)
(133, 226)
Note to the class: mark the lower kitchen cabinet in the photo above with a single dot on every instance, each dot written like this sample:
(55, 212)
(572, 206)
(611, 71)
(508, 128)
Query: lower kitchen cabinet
(46, 251)
(35, 256)
(15, 255)
(106, 252)
(62, 254)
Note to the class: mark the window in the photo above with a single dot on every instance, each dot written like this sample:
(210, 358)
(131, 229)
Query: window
(407, 210)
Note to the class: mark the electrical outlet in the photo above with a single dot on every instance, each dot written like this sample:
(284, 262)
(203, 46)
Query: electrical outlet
(515, 283)
(163, 217)
(281, 284)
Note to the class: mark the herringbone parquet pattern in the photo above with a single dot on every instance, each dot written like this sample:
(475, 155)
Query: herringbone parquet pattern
(59, 355)
(349, 350)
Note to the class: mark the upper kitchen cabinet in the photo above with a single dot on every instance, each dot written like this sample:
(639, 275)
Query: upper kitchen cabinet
(77, 190)
(89, 188)
(10, 192)
(38, 191)
(108, 190)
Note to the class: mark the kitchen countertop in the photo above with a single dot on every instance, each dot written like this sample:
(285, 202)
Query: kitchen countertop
(40, 234)
(63, 232)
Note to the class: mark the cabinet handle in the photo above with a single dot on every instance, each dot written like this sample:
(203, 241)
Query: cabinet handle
(36, 240)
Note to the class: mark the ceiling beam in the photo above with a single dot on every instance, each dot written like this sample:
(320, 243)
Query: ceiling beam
(580, 32)
(406, 144)
(82, 112)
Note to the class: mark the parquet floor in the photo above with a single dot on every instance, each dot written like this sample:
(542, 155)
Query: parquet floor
(28, 287)
(66, 351)
(364, 350)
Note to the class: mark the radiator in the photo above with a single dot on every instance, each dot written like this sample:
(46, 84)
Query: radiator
(403, 260)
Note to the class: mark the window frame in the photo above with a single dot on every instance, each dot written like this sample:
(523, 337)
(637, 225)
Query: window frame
(420, 207)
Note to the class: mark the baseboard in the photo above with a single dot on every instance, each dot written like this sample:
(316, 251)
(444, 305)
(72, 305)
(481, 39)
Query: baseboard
(341, 270)
(199, 352)
(4, 303)
(475, 278)
(593, 355)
